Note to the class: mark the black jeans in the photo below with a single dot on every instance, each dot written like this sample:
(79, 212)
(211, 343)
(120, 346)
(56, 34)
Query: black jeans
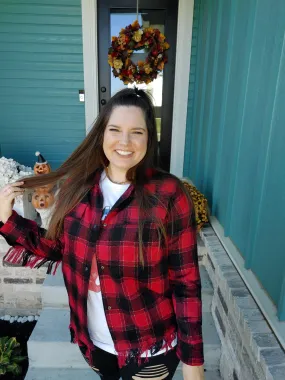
(157, 367)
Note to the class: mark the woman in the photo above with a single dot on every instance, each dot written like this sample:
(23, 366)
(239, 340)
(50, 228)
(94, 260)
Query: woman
(125, 233)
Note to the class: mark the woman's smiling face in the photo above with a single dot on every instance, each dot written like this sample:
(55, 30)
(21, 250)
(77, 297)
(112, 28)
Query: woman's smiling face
(125, 138)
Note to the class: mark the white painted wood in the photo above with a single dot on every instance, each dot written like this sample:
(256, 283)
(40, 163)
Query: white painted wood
(90, 60)
(265, 304)
(181, 85)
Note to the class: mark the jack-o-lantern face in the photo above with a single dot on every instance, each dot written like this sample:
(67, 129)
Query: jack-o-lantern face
(42, 200)
(42, 168)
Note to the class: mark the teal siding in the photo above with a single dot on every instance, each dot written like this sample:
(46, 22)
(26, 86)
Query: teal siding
(235, 133)
(41, 71)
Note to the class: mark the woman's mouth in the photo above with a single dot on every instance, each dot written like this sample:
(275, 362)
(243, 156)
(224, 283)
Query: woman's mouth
(124, 153)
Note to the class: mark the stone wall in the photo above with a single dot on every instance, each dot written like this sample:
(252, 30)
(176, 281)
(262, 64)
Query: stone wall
(250, 350)
(20, 288)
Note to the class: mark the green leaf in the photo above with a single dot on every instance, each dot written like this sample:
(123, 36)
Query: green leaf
(4, 360)
(12, 343)
(14, 368)
(18, 359)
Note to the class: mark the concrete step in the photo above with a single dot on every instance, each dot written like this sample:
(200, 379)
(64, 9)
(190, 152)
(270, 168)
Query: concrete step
(212, 343)
(49, 344)
(4, 246)
(212, 375)
(88, 374)
(209, 375)
(207, 289)
(60, 373)
(54, 293)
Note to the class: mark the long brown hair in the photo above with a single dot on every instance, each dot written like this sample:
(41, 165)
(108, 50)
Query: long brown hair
(76, 174)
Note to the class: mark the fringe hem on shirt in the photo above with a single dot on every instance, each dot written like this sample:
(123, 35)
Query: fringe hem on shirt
(136, 354)
(20, 256)
(124, 357)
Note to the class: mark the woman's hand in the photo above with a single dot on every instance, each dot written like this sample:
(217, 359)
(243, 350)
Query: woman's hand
(193, 372)
(7, 199)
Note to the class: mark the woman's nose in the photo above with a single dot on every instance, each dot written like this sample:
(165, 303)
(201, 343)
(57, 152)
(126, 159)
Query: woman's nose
(125, 138)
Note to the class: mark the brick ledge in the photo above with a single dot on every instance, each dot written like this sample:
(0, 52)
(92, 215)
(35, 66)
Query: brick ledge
(250, 349)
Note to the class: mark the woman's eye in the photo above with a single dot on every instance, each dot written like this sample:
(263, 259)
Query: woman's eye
(138, 132)
(113, 130)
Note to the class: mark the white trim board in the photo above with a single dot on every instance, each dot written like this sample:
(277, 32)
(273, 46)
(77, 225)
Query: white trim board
(265, 304)
(182, 65)
(182, 72)
(90, 61)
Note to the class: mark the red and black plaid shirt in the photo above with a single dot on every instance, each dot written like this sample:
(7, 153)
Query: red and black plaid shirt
(143, 305)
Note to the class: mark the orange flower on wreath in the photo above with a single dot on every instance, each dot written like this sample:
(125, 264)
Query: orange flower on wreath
(110, 59)
(161, 37)
(166, 45)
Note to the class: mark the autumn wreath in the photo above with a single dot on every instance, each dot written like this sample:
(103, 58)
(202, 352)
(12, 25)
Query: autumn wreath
(132, 38)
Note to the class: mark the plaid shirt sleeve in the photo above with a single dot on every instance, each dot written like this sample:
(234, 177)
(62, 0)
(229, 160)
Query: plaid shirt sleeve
(185, 280)
(19, 231)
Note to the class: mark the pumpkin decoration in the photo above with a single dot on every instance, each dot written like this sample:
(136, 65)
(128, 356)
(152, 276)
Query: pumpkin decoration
(200, 205)
(42, 198)
(41, 166)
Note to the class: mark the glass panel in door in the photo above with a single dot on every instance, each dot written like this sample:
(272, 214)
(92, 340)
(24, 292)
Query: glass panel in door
(149, 18)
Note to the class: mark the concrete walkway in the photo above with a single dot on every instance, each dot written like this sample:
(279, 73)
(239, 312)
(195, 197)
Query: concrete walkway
(52, 356)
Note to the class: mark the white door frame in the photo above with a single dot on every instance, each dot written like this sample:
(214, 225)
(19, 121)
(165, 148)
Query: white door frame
(182, 71)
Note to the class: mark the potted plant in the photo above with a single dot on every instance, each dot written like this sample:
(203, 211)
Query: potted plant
(10, 358)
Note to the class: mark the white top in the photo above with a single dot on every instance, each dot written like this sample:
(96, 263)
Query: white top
(97, 324)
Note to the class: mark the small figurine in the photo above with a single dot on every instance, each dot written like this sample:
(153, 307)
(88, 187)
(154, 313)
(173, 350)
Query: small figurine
(42, 166)
(43, 197)
(43, 202)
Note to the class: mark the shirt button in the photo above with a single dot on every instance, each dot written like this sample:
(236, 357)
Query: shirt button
(102, 267)
(86, 268)
(104, 225)
(109, 308)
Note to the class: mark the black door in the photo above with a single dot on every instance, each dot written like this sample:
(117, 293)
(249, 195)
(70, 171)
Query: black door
(161, 14)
